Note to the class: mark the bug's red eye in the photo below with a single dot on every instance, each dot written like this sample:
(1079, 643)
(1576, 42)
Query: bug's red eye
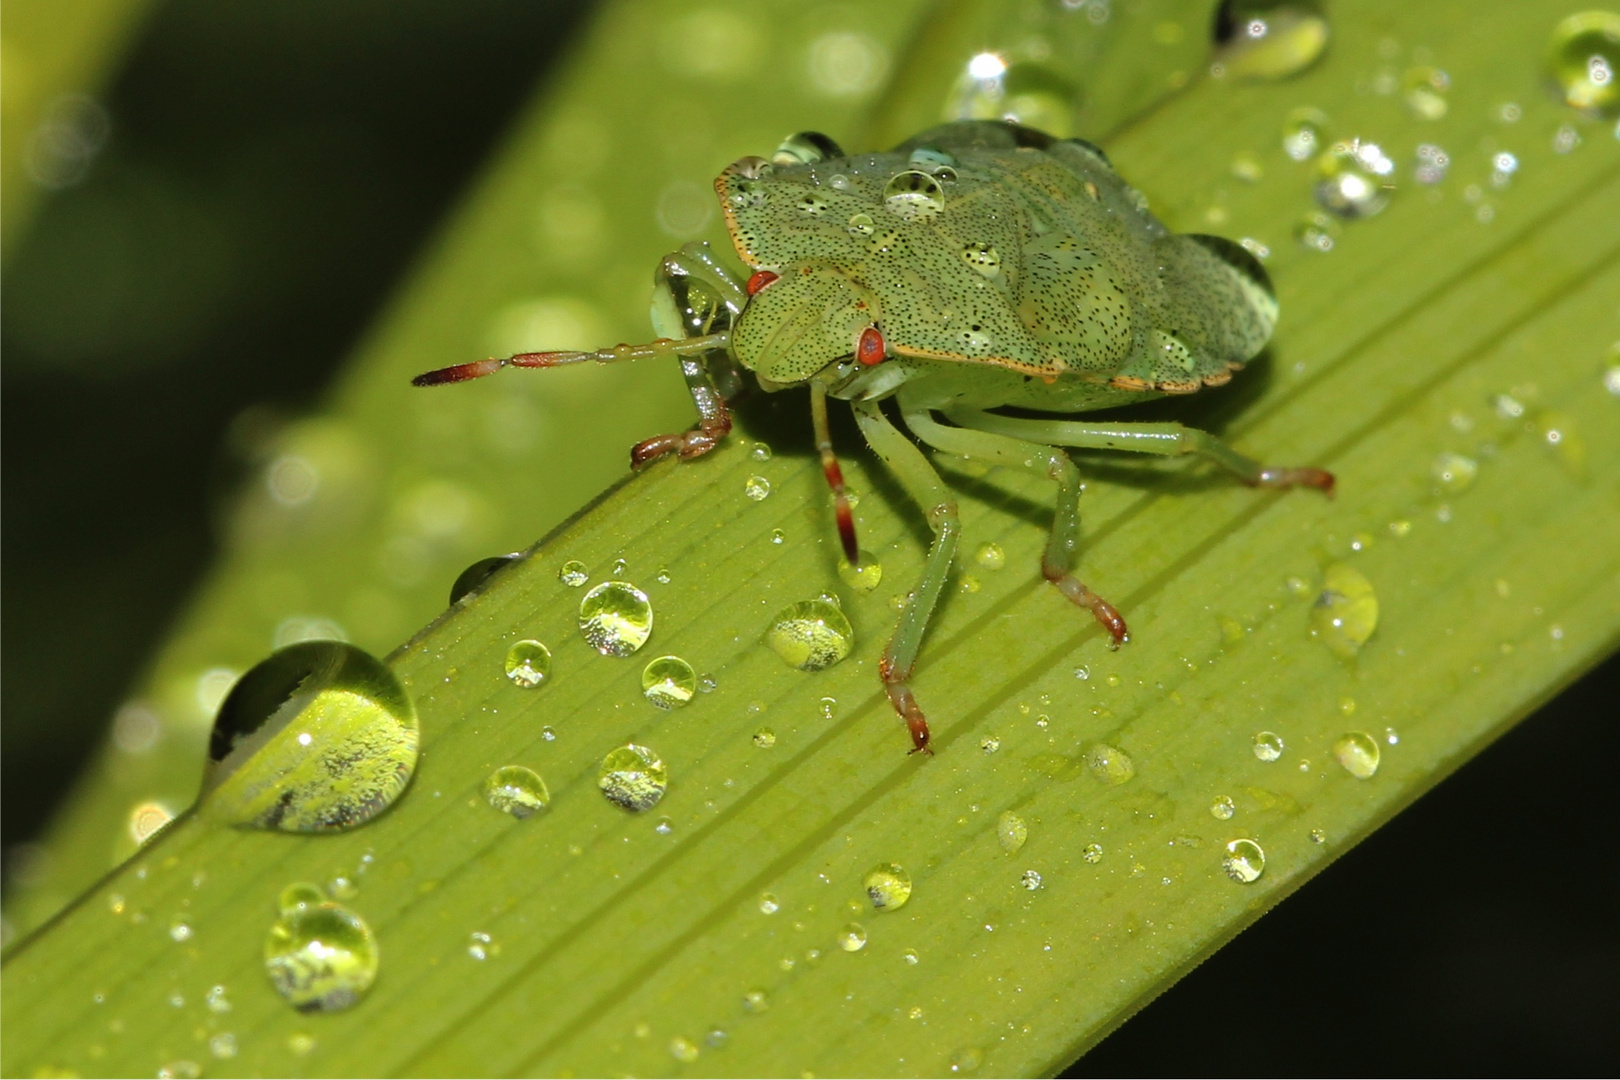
(871, 350)
(760, 279)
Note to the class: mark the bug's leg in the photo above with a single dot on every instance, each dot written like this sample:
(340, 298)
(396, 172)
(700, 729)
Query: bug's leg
(714, 420)
(1167, 439)
(923, 484)
(834, 473)
(1052, 463)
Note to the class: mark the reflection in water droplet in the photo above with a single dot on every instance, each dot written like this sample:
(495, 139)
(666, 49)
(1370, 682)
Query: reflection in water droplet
(319, 736)
(852, 938)
(1424, 91)
(757, 488)
(573, 574)
(811, 635)
(1454, 472)
(472, 579)
(990, 556)
(516, 790)
(1268, 39)
(668, 682)
(1092, 853)
(1244, 861)
(1031, 880)
(615, 618)
(1011, 831)
(1222, 807)
(863, 578)
(1346, 612)
(633, 777)
(1584, 56)
(1268, 745)
(528, 663)
(966, 1060)
(913, 195)
(1356, 179)
(1109, 764)
(888, 886)
(861, 225)
(320, 957)
(765, 738)
(1357, 751)
(982, 258)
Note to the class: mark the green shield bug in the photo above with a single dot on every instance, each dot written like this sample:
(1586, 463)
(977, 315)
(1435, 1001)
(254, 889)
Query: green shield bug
(977, 266)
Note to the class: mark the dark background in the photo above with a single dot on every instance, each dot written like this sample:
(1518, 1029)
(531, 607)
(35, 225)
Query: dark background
(272, 171)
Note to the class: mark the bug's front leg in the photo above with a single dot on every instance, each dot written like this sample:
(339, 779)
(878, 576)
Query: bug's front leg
(923, 484)
(714, 419)
(1058, 560)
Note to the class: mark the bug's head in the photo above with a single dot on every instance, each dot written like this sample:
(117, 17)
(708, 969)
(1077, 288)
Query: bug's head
(800, 321)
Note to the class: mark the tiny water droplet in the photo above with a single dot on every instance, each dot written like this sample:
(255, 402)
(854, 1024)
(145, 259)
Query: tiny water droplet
(888, 886)
(341, 888)
(1267, 39)
(615, 618)
(760, 452)
(765, 738)
(663, 577)
(298, 896)
(318, 737)
(1318, 836)
(1221, 808)
(664, 827)
(217, 1000)
(1317, 232)
(223, 1045)
(863, 578)
(1454, 472)
(1109, 764)
(1356, 179)
(1031, 880)
(778, 536)
(1268, 745)
(321, 957)
(757, 488)
(480, 946)
(548, 733)
(1584, 57)
(990, 744)
(811, 635)
(516, 790)
(573, 574)
(1424, 91)
(1346, 611)
(1304, 134)
(683, 1049)
(756, 1001)
(1244, 861)
(668, 682)
(990, 556)
(528, 663)
(769, 904)
(852, 938)
(1357, 751)
(913, 195)
(1092, 853)
(1011, 831)
(633, 777)
(966, 1060)
(472, 579)
(182, 1069)
(983, 258)
(861, 225)
(179, 929)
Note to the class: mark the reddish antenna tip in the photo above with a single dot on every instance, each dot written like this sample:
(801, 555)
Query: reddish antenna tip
(458, 373)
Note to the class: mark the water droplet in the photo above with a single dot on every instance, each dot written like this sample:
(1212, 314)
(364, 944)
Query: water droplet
(1092, 853)
(1356, 179)
(633, 777)
(757, 488)
(1031, 880)
(888, 886)
(1346, 612)
(913, 195)
(1268, 39)
(765, 738)
(756, 1001)
(145, 819)
(573, 574)
(683, 1049)
(990, 556)
(1357, 751)
(615, 618)
(516, 790)
(1011, 831)
(182, 1069)
(320, 957)
(298, 896)
(852, 938)
(1268, 745)
(1222, 807)
(990, 744)
(863, 578)
(861, 225)
(472, 579)
(668, 682)
(319, 736)
(1304, 134)
(1244, 862)
(480, 946)
(223, 1045)
(179, 929)
(528, 664)
(1318, 836)
(769, 904)
(1584, 57)
(1454, 472)
(811, 635)
(966, 1060)
(217, 1000)
(760, 452)
(778, 536)
(982, 258)
(1424, 91)
(1109, 764)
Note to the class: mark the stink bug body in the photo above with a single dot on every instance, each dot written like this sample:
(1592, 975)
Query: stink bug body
(978, 266)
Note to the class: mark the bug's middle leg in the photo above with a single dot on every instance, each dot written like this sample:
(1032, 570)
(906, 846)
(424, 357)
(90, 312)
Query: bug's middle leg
(923, 484)
(1061, 544)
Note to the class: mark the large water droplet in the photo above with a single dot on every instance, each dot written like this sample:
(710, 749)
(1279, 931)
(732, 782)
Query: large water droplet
(633, 777)
(1244, 861)
(1356, 179)
(1021, 90)
(1268, 745)
(1109, 764)
(573, 574)
(913, 195)
(668, 682)
(1346, 612)
(811, 635)
(320, 957)
(1584, 57)
(888, 886)
(1268, 39)
(472, 579)
(615, 618)
(1357, 751)
(852, 938)
(528, 663)
(319, 736)
(516, 790)
(1011, 831)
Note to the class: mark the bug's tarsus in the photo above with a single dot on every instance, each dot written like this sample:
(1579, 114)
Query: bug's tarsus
(1104, 612)
(1320, 479)
(900, 696)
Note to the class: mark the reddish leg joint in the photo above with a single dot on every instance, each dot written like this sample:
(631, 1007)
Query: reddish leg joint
(688, 444)
(1105, 613)
(1320, 479)
(906, 705)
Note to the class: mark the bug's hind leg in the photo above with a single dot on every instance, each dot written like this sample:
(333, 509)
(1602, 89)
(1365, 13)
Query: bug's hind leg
(1058, 559)
(923, 484)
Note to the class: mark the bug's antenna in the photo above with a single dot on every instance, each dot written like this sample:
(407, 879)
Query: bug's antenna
(834, 474)
(477, 369)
